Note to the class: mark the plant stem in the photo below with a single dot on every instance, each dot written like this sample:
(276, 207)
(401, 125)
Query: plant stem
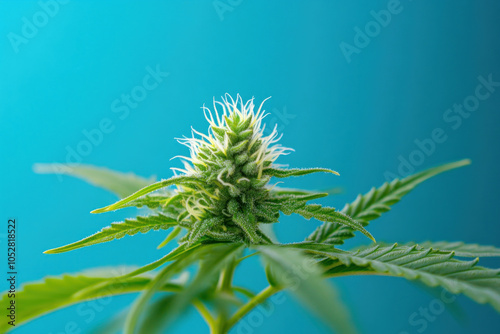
(205, 314)
(226, 279)
(241, 259)
(224, 286)
(252, 303)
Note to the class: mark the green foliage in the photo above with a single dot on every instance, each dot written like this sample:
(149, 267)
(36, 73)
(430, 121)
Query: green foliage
(171, 236)
(462, 249)
(173, 255)
(303, 277)
(177, 180)
(183, 261)
(432, 267)
(213, 259)
(220, 214)
(119, 230)
(56, 292)
(282, 173)
(331, 216)
(121, 184)
(374, 203)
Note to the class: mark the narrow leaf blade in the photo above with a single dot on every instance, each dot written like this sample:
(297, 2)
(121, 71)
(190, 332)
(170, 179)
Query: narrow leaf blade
(119, 183)
(373, 204)
(119, 230)
(329, 215)
(176, 180)
(283, 173)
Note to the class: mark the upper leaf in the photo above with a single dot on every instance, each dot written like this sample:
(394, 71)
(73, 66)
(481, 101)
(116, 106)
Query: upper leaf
(278, 191)
(377, 201)
(282, 173)
(329, 215)
(121, 184)
(119, 230)
(176, 180)
(151, 201)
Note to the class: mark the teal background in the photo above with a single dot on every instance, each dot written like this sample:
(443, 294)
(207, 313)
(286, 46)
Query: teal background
(357, 117)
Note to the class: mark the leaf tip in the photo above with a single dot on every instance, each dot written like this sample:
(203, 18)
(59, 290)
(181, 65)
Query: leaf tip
(100, 210)
(37, 167)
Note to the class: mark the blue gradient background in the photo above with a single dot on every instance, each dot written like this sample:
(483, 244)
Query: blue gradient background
(356, 117)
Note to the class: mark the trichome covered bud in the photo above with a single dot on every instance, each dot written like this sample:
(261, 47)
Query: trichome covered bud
(230, 199)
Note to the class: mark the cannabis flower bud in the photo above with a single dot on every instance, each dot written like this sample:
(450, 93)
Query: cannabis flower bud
(233, 197)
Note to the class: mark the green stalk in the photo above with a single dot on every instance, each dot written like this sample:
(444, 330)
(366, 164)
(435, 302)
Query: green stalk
(250, 305)
(205, 313)
(224, 286)
(226, 279)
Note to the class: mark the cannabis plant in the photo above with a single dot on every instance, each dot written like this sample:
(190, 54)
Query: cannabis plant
(219, 214)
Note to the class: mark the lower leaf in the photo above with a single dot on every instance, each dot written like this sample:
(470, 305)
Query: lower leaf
(429, 266)
(53, 293)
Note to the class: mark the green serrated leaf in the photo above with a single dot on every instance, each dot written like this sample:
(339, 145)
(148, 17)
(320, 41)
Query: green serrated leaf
(329, 215)
(38, 298)
(296, 199)
(282, 173)
(432, 267)
(152, 201)
(121, 184)
(377, 201)
(460, 248)
(119, 230)
(176, 180)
